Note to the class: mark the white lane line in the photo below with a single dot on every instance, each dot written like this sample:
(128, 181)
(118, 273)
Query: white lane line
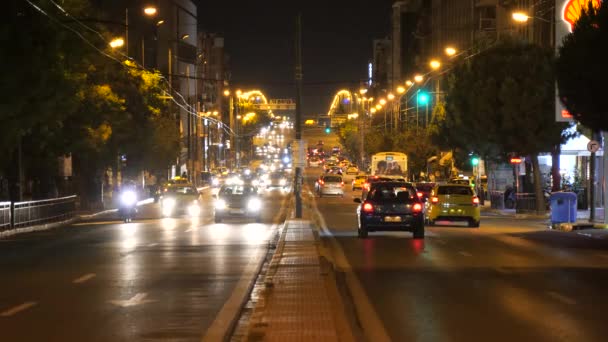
(152, 244)
(137, 299)
(188, 230)
(561, 298)
(18, 309)
(84, 278)
(373, 328)
(467, 254)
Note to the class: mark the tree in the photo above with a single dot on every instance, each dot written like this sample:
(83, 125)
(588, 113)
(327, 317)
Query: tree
(582, 70)
(502, 101)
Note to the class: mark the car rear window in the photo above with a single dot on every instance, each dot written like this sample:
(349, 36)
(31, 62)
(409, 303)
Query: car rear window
(361, 177)
(455, 190)
(332, 179)
(237, 190)
(400, 192)
(183, 190)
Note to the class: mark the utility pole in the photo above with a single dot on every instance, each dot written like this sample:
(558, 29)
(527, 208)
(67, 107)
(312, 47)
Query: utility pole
(298, 123)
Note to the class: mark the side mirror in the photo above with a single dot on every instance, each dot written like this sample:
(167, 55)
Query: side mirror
(357, 200)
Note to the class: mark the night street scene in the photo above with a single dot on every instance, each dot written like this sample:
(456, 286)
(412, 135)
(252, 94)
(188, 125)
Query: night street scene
(303, 170)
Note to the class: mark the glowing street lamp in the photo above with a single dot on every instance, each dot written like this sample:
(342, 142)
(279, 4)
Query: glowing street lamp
(450, 51)
(400, 90)
(150, 11)
(435, 64)
(409, 83)
(117, 42)
(390, 96)
(418, 78)
(362, 91)
(378, 106)
(373, 110)
(382, 101)
(238, 92)
(226, 92)
(520, 17)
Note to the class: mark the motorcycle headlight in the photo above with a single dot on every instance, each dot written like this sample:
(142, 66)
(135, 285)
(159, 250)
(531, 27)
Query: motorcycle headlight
(220, 204)
(254, 204)
(128, 198)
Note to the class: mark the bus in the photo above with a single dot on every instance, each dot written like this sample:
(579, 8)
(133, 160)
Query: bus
(389, 163)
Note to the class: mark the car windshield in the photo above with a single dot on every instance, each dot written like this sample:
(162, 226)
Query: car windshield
(182, 190)
(398, 192)
(332, 179)
(237, 190)
(454, 190)
(276, 175)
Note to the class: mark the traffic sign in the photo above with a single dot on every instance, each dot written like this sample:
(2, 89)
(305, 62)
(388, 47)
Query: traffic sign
(593, 146)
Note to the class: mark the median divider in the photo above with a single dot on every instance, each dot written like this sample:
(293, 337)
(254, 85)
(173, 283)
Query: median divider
(300, 300)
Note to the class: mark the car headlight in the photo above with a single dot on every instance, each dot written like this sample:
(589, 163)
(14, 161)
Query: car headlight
(168, 205)
(220, 204)
(194, 209)
(254, 204)
(128, 198)
(255, 182)
(215, 182)
(283, 182)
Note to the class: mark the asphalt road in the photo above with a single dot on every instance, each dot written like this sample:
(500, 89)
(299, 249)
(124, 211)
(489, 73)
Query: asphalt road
(510, 280)
(154, 279)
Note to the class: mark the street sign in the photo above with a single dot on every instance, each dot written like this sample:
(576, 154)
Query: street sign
(276, 104)
(593, 146)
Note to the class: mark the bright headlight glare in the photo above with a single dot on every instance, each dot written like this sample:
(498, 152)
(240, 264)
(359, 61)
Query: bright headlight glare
(215, 182)
(254, 204)
(220, 204)
(128, 198)
(169, 203)
(283, 181)
(194, 209)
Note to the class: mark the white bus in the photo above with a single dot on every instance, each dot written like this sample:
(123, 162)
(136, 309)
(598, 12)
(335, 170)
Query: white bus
(389, 163)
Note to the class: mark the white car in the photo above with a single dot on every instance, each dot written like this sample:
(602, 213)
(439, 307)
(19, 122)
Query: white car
(332, 185)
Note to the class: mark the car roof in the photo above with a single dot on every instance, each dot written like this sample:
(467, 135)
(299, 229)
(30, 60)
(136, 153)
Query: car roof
(391, 183)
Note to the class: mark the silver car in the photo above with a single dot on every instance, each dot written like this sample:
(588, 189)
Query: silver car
(332, 185)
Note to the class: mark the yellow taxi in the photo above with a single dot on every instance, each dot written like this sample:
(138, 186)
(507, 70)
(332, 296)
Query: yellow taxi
(453, 202)
(358, 182)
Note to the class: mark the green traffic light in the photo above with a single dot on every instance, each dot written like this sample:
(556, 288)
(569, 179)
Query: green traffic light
(474, 161)
(422, 98)
(327, 130)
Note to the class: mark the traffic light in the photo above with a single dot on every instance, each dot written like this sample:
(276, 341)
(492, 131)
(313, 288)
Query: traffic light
(474, 161)
(327, 130)
(422, 98)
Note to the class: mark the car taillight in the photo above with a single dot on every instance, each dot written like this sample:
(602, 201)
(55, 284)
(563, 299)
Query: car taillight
(475, 201)
(341, 183)
(366, 186)
(368, 208)
(417, 207)
(321, 182)
(434, 199)
(419, 194)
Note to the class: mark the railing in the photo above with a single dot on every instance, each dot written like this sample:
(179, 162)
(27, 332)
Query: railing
(525, 202)
(497, 199)
(44, 211)
(5, 215)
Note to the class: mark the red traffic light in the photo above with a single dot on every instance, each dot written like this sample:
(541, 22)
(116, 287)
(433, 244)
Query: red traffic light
(515, 160)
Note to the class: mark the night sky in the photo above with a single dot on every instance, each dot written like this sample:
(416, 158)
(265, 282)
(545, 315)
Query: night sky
(259, 36)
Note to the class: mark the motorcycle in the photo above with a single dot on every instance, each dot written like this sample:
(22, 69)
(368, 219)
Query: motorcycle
(128, 205)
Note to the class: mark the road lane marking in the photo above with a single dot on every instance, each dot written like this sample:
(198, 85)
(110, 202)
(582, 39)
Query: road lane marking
(152, 244)
(561, 298)
(467, 254)
(18, 309)
(137, 299)
(372, 326)
(188, 230)
(84, 278)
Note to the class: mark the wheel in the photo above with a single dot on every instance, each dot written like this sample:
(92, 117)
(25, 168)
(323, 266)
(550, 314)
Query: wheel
(419, 232)
(218, 219)
(473, 223)
(362, 232)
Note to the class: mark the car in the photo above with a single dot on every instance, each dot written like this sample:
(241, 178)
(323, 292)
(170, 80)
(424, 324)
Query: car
(352, 170)
(424, 189)
(331, 184)
(314, 162)
(453, 202)
(237, 200)
(358, 182)
(335, 170)
(463, 181)
(369, 181)
(390, 206)
(180, 199)
(276, 180)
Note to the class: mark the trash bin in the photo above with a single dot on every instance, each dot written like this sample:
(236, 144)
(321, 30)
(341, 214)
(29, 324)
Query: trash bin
(563, 207)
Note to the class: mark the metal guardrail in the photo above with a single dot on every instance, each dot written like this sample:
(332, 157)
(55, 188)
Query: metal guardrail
(44, 211)
(5, 215)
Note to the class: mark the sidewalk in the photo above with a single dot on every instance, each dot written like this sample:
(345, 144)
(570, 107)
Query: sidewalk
(300, 301)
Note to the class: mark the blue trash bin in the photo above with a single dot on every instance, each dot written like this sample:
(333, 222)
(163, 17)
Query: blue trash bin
(563, 207)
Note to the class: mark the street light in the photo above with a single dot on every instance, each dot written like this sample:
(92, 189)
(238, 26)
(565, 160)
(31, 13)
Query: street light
(450, 51)
(382, 101)
(362, 91)
(117, 42)
(226, 92)
(390, 96)
(150, 11)
(418, 78)
(400, 90)
(185, 36)
(520, 17)
(372, 110)
(409, 83)
(435, 64)
(378, 106)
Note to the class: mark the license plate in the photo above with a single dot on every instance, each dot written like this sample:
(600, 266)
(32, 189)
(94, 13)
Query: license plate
(392, 219)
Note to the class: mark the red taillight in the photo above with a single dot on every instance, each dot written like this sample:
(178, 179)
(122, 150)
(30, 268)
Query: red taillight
(366, 186)
(475, 201)
(368, 208)
(434, 199)
(417, 207)
(342, 184)
(321, 182)
(419, 194)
